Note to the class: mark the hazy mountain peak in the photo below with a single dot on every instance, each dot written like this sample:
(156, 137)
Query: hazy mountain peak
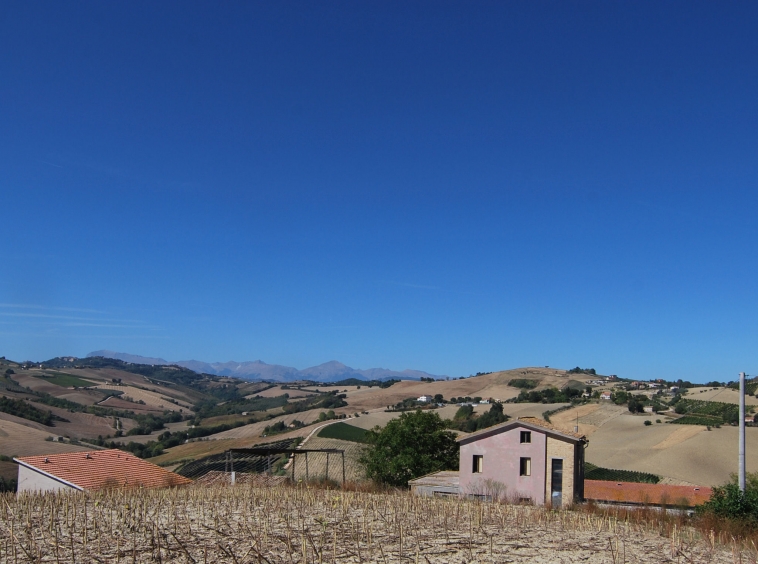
(126, 357)
(331, 371)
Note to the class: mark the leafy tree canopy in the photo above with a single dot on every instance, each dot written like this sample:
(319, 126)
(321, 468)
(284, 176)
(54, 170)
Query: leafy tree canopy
(729, 502)
(414, 444)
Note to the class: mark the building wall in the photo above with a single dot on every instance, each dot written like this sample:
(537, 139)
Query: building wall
(501, 466)
(565, 450)
(29, 480)
(430, 491)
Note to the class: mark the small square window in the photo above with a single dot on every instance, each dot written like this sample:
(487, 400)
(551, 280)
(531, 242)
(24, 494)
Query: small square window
(526, 437)
(478, 464)
(525, 467)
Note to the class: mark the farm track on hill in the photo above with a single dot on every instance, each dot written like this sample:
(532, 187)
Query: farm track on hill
(298, 525)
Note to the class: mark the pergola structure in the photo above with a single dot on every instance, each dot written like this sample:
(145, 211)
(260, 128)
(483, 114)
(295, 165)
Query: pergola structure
(293, 452)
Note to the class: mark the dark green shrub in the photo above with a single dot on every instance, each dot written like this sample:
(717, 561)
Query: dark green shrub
(731, 503)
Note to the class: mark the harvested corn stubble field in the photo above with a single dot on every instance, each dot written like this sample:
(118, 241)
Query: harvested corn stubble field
(298, 525)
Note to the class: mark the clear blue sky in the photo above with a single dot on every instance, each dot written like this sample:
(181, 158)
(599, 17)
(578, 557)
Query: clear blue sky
(453, 187)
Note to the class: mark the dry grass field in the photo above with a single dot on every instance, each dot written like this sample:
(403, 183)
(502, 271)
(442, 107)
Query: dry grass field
(726, 395)
(21, 440)
(277, 391)
(200, 449)
(255, 430)
(299, 525)
(493, 385)
(687, 454)
(152, 399)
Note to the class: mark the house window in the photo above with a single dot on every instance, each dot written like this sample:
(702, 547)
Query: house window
(478, 464)
(526, 437)
(525, 467)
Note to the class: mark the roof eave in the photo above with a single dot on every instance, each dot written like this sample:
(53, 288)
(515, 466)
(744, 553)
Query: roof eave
(48, 474)
(486, 433)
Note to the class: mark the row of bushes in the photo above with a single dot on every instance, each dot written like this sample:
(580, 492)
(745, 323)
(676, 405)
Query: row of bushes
(25, 410)
(698, 412)
(592, 472)
(548, 395)
(467, 421)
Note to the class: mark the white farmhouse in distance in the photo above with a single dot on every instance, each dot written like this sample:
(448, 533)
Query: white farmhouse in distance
(424, 399)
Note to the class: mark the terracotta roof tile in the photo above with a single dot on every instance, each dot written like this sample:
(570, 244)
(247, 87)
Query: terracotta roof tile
(542, 423)
(655, 494)
(103, 469)
(534, 421)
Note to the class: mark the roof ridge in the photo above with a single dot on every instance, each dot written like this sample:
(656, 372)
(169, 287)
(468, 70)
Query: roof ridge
(536, 422)
(547, 425)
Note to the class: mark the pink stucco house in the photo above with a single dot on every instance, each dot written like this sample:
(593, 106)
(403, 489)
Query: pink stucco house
(522, 460)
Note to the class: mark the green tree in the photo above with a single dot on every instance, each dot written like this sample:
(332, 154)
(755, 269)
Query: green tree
(635, 405)
(729, 502)
(410, 446)
(464, 412)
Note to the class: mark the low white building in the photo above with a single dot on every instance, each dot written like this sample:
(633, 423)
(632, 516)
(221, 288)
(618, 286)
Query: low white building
(425, 399)
(93, 470)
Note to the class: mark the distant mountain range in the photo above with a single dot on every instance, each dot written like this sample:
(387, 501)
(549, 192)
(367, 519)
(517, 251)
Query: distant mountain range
(332, 371)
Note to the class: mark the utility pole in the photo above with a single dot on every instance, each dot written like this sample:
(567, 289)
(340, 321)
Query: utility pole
(742, 433)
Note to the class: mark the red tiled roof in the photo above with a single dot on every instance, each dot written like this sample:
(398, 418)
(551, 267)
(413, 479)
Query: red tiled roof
(103, 469)
(654, 494)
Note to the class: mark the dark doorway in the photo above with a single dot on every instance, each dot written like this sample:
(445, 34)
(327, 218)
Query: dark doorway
(556, 483)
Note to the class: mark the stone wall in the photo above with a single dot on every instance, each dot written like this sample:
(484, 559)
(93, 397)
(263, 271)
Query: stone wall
(557, 448)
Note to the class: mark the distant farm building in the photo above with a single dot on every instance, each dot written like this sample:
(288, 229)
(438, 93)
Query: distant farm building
(94, 470)
(425, 399)
(605, 396)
